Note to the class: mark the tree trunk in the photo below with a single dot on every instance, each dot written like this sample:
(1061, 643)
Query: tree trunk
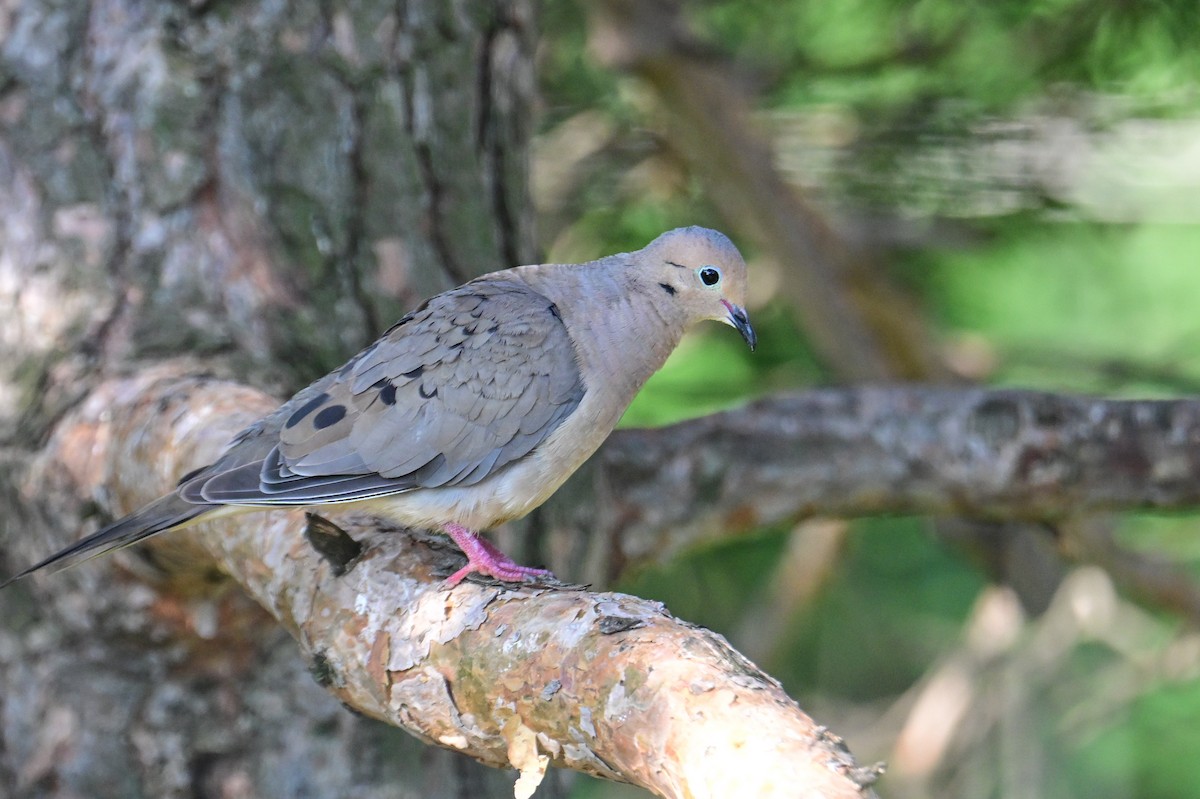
(263, 186)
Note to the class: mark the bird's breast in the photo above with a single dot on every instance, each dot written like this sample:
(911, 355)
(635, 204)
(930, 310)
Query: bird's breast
(515, 490)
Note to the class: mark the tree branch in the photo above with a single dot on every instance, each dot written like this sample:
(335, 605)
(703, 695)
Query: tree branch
(978, 452)
(390, 644)
(989, 455)
(604, 683)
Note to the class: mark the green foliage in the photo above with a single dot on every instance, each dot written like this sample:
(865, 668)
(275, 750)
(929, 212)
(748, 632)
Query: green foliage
(731, 571)
(896, 603)
(1062, 300)
(1151, 754)
(1176, 535)
(883, 54)
(713, 370)
(897, 600)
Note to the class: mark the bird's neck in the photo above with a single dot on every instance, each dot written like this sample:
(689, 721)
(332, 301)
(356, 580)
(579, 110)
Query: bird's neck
(620, 334)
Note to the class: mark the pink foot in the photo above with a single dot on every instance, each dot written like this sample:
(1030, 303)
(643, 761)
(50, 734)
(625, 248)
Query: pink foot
(483, 557)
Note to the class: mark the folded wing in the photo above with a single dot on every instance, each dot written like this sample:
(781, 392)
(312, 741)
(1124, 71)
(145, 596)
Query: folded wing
(455, 392)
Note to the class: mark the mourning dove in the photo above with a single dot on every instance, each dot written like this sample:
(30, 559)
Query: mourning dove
(471, 410)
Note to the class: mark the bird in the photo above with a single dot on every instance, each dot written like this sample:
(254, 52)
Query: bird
(472, 409)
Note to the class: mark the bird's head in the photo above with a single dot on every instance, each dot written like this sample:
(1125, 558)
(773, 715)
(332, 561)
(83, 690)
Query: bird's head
(703, 274)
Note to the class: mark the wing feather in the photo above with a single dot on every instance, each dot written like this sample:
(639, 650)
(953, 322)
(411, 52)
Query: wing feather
(455, 392)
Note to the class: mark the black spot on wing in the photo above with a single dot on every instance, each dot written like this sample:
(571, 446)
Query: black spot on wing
(667, 287)
(387, 394)
(330, 416)
(343, 478)
(307, 408)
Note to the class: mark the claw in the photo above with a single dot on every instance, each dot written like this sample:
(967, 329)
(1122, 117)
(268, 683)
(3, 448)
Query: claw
(484, 557)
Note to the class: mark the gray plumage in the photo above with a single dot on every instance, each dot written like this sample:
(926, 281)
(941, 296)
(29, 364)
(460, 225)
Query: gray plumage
(473, 408)
(462, 387)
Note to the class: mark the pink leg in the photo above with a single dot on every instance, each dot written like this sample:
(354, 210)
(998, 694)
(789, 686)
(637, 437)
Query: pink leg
(483, 557)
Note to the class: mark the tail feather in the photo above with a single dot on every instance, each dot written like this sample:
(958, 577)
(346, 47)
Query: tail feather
(162, 514)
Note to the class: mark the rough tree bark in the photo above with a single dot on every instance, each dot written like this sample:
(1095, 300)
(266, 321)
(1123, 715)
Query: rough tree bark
(265, 186)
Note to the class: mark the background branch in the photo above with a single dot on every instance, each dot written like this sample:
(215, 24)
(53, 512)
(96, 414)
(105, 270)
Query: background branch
(985, 455)
(989, 453)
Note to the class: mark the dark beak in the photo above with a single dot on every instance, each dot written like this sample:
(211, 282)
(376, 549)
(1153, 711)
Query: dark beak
(741, 322)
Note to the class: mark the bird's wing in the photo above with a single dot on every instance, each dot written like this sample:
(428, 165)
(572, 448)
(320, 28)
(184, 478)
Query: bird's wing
(459, 389)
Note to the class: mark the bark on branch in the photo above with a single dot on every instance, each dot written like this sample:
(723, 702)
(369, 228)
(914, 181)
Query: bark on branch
(983, 454)
(482, 668)
(972, 452)
(604, 683)
(997, 454)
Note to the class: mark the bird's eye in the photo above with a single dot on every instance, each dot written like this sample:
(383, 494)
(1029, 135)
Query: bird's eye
(710, 275)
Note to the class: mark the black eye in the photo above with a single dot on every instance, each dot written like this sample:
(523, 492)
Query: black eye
(710, 275)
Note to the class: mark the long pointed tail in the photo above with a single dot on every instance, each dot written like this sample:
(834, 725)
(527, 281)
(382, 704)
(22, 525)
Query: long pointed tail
(162, 514)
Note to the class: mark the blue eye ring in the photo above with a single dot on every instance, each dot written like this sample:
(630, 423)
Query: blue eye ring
(709, 275)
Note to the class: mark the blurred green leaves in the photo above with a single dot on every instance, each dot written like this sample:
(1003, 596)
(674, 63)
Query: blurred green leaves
(1062, 300)
(1152, 754)
(713, 370)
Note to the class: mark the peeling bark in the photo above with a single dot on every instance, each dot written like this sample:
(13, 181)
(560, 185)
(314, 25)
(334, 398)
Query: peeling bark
(265, 185)
(511, 676)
